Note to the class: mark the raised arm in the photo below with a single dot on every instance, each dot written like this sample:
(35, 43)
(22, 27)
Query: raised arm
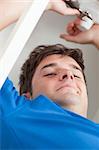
(11, 10)
(83, 37)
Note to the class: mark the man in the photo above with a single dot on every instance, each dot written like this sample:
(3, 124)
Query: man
(55, 117)
(43, 79)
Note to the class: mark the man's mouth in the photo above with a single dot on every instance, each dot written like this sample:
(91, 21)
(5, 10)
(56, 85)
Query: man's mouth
(65, 86)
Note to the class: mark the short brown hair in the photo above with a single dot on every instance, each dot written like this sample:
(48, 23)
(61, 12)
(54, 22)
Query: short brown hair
(37, 55)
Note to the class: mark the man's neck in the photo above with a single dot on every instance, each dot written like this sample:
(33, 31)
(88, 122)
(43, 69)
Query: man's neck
(77, 110)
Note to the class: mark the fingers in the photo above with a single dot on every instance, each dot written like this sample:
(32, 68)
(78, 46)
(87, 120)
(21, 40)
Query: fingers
(70, 38)
(82, 37)
(72, 29)
(69, 11)
(60, 7)
(74, 34)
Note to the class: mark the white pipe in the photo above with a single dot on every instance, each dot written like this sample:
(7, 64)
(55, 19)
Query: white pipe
(19, 37)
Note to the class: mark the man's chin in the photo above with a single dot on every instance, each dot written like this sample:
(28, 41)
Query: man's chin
(69, 99)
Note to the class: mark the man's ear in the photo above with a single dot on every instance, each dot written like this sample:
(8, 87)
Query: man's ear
(27, 95)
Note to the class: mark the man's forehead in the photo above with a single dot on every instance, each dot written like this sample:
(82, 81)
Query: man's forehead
(58, 60)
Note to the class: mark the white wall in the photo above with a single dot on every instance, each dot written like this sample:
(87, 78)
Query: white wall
(47, 32)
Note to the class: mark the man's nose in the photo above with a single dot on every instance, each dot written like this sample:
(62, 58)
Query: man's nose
(66, 74)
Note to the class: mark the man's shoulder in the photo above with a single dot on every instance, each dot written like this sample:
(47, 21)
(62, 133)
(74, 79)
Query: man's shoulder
(7, 84)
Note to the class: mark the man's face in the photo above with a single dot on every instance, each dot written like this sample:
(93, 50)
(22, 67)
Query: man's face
(60, 78)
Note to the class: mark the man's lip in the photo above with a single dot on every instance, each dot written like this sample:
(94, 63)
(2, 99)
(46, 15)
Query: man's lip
(64, 87)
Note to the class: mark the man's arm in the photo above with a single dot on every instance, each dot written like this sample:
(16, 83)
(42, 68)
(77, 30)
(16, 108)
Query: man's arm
(83, 37)
(11, 10)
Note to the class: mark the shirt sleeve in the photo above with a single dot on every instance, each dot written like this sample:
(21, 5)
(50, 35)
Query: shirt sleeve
(9, 98)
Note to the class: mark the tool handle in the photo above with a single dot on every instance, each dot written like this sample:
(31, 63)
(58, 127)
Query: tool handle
(72, 4)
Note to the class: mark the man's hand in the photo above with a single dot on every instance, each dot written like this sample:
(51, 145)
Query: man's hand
(83, 37)
(60, 7)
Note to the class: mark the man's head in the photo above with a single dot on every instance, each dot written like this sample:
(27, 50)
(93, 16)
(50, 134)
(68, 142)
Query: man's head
(57, 72)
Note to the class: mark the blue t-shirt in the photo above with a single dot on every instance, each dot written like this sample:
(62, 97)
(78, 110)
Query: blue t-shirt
(42, 124)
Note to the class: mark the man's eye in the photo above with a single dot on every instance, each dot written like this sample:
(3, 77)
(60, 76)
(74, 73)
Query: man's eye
(50, 74)
(76, 76)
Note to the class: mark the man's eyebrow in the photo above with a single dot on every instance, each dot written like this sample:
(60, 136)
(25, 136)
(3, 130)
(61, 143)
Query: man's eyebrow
(54, 65)
(49, 65)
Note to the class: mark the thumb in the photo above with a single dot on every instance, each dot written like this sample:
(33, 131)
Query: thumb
(70, 38)
(81, 38)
